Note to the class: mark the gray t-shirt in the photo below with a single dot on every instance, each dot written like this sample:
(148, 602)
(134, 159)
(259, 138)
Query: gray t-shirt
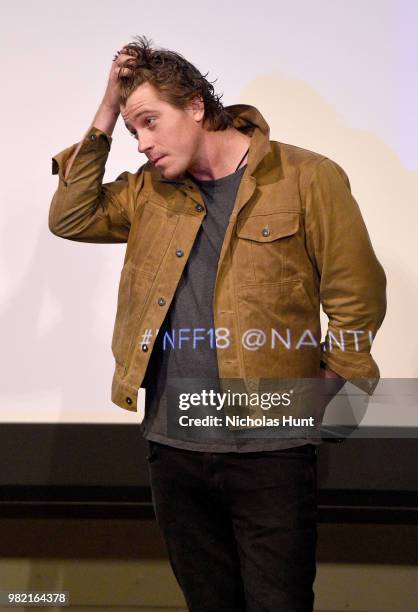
(184, 357)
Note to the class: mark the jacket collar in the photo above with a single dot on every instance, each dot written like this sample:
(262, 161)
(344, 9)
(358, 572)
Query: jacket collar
(250, 121)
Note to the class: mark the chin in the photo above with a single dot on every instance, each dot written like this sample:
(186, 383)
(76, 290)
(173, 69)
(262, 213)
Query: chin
(169, 173)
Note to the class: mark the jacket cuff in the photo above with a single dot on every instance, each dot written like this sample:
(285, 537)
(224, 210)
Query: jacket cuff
(94, 139)
(358, 368)
(59, 161)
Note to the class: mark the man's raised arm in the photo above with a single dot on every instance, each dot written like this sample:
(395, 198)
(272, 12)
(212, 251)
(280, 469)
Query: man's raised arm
(84, 208)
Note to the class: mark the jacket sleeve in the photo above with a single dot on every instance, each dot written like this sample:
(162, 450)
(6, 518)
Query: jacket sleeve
(85, 209)
(352, 281)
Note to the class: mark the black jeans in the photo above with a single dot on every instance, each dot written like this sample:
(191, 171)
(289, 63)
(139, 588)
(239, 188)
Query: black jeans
(240, 528)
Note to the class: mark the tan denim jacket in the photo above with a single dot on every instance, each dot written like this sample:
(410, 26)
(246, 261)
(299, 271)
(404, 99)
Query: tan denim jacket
(295, 239)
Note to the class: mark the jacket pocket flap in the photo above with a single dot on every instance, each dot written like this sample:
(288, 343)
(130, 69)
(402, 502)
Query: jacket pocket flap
(266, 228)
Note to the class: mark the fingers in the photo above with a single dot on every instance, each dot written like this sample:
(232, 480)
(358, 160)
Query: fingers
(121, 59)
(124, 52)
(123, 72)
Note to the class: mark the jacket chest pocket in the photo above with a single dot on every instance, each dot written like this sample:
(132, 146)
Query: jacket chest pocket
(267, 247)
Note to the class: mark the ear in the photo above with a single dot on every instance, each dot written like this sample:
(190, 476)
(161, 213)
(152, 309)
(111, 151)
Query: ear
(197, 107)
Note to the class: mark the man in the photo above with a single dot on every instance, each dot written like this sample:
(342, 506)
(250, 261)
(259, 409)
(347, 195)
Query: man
(233, 242)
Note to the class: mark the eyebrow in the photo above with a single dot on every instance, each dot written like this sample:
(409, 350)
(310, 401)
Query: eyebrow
(143, 112)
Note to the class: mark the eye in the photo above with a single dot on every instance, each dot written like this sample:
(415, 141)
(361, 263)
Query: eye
(149, 120)
(134, 135)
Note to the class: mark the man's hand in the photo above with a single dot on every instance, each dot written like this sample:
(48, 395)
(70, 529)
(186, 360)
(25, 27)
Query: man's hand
(118, 68)
(336, 382)
(326, 372)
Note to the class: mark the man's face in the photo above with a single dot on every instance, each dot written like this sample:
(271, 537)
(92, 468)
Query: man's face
(164, 131)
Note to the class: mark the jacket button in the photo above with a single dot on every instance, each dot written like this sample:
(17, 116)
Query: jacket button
(144, 348)
(266, 231)
(199, 207)
(128, 400)
(161, 301)
(179, 253)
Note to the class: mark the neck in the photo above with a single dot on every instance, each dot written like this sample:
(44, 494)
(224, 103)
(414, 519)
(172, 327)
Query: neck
(219, 153)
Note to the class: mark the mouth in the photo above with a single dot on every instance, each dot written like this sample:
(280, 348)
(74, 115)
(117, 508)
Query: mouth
(156, 161)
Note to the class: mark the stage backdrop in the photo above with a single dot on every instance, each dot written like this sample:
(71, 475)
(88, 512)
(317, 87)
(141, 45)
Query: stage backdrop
(335, 77)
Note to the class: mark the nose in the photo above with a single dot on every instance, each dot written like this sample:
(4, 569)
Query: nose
(144, 144)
